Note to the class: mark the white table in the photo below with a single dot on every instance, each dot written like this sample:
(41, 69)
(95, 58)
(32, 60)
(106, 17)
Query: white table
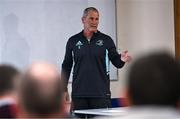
(119, 111)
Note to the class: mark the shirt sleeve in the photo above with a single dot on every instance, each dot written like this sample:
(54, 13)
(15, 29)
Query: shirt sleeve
(113, 55)
(67, 64)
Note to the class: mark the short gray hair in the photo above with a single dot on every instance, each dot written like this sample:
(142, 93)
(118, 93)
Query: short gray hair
(86, 11)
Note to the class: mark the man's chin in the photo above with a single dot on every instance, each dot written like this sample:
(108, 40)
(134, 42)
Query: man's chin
(93, 30)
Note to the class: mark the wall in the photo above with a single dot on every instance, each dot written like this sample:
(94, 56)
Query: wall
(177, 27)
(143, 26)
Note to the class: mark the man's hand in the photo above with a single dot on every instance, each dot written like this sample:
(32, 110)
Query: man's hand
(125, 57)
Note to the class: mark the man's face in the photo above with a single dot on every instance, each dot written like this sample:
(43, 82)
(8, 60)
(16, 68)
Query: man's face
(91, 21)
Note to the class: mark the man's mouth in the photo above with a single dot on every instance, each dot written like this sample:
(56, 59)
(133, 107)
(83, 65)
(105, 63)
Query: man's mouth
(94, 26)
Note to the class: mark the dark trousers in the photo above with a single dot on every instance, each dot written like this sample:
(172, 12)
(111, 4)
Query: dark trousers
(89, 103)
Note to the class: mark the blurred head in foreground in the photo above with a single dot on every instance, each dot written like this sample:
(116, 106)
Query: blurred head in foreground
(154, 79)
(8, 74)
(40, 92)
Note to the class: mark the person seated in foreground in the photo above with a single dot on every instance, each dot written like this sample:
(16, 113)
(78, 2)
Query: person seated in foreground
(40, 93)
(153, 87)
(8, 77)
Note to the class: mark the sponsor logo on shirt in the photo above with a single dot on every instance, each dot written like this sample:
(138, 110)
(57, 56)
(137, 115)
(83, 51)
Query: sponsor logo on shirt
(99, 42)
(79, 44)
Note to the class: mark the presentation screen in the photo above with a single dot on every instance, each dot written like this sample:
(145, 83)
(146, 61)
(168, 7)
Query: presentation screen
(37, 30)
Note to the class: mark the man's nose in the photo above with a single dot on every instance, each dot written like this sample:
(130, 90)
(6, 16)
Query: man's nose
(94, 21)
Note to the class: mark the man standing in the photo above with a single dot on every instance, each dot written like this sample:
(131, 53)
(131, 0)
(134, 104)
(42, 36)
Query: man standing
(91, 50)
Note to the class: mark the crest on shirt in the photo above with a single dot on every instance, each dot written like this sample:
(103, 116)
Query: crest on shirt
(79, 44)
(99, 42)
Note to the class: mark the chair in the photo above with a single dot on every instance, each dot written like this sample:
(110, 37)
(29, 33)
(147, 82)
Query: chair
(118, 102)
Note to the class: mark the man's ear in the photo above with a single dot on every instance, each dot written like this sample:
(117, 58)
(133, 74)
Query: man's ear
(82, 19)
